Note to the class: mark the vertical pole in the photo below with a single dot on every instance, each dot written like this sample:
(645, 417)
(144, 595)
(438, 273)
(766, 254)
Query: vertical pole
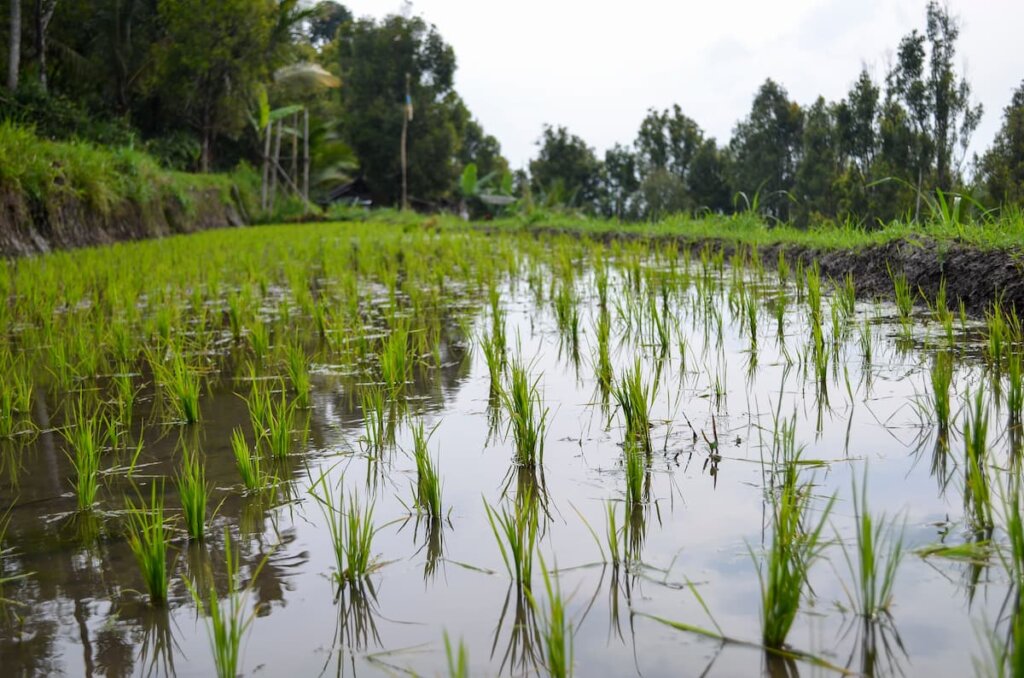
(294, 173)
(406, 115)
(14, 48)
(305, 154)
(275, 164)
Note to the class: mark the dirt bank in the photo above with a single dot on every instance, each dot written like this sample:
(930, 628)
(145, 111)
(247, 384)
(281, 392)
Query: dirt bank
(976, 276)
(29, 226)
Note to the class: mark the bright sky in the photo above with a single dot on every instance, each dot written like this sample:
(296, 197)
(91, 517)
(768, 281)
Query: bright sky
(597, 67)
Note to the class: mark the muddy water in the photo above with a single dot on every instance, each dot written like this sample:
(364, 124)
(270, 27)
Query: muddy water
(79, 611)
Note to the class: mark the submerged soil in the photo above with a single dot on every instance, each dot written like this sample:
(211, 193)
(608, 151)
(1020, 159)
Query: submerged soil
(972, 275)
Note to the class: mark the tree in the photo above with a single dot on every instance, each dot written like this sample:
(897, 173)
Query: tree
(213, 57)
(709, 188)
(817, 172)
(667, 140)
(375, 60)
(955, 119)
(566, 167)
(327, 18)
(765, 148)
(619, 182)
(1002, 166)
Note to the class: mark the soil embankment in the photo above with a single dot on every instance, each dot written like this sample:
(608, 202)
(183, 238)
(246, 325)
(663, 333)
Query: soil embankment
(32, 226)
(974, 275)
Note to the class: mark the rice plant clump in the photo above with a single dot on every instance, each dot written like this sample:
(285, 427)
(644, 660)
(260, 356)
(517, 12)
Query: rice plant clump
(428, 481)
(194, 492)
(527, 417)
(227, 621)
(876, 555)
(148, 539)
(85, 437)
(351, 530)
(795, 545)
(634, 395)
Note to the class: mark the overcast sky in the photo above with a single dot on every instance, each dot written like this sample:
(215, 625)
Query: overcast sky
(596, 67)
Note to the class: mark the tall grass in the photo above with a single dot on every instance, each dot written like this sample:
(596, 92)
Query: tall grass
(148, 539)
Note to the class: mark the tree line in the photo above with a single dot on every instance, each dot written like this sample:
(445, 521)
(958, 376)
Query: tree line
(885, 151)
(197, 84)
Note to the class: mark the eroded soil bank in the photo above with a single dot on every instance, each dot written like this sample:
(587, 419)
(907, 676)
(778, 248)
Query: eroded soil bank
(30, 226)
(974, 275)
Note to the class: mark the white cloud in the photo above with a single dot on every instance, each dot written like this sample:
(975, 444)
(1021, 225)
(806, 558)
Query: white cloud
(597, 67)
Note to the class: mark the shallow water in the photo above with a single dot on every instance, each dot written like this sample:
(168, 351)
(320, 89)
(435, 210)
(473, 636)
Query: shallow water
(78, 610)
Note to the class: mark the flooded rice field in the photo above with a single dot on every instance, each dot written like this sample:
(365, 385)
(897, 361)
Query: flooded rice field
(361, 450)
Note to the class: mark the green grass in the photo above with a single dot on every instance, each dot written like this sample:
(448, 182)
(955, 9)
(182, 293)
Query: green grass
(148, 538)
(374, 428)
(194, 492)
(555, 629)
(298, 373)
(941, 379)
(458, 660)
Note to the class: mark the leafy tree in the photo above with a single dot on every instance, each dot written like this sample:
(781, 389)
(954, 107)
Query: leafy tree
(766, 146)
(619, 182)
(709, 187)
(664, 193)
(375, 60)
(817, 172)
(667, 140)
(327, 18)
(565, 166)
(213, 58)
(1002, 166)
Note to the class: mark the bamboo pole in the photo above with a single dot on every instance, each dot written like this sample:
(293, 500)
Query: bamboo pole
(305, 154)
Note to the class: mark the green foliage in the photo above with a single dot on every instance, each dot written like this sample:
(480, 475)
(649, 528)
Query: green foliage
(148, 538)
(194, 493)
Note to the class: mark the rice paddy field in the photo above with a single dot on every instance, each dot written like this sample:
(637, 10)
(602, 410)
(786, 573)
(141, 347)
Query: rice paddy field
(368, 449)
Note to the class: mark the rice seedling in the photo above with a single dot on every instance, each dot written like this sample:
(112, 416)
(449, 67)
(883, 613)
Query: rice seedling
(941, 378)
(227, 622)
(516, 534)
(280, 421)
(249, 462)
(298, 373)
(494, 356)
(394, 359)
(259, 340)
(428, 483)
(796, 544)
(458, 661)
(1015, 393)
(351, 531)
(634, 394)
(375, 434)
(194, 493)
(904, 296)
(84, 437)
(846, 295)
(603, 362)
(527, 417)
(612, 534)
(148, 539)
(876, 555)
(813, 277)
(977, 489)
(182, 382)
(15, 399)
(556, 630)
(635, 468)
